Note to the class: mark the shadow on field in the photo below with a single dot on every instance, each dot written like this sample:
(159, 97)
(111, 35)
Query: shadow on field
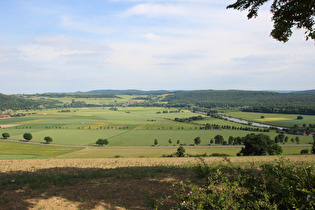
(88, 188)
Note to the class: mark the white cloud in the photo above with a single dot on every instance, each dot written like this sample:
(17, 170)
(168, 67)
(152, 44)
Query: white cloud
(155, 10)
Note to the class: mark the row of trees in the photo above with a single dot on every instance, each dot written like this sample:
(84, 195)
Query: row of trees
(254, 144)
(28, 137)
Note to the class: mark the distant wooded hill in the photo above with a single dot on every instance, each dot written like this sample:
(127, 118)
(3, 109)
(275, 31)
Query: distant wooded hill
(127, 92)
(11, 102)
(252, 101)
(298, 102)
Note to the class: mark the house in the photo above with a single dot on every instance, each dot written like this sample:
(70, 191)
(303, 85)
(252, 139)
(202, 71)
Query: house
(4, 116)
(41, 113)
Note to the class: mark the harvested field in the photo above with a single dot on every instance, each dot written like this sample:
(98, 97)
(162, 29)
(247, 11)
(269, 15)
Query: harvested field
(134, 183)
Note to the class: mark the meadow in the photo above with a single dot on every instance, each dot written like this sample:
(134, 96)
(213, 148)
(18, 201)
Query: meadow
(128, 126)
(282, 120)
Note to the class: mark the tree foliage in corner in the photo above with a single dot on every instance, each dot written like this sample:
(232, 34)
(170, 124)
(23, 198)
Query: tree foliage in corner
(286, 14)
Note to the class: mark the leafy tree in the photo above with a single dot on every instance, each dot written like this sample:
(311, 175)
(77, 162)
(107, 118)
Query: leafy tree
(218, 139)
(231, 140)
(178, 141)
(313, 146)
(170, 141)
(102, 142)
(211, 141)
(286, 14)
(106, 141)
(275, 149)
(259, 144)
(299, 117)
(197, 140)
(27, 136)
(48, 139)
(180, 152)
(5, 135)
(280, 138)
(297, 140)
(156, 142)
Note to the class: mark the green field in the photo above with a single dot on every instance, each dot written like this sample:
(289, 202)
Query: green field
(282, 120)
(13, 150)
(131, 126)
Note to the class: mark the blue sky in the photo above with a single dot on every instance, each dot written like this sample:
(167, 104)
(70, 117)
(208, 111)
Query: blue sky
(79, 45)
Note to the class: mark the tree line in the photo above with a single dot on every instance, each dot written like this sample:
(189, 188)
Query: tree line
(247, 100)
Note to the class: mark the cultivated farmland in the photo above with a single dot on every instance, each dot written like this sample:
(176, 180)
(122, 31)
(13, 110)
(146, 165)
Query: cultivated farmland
(125, 127)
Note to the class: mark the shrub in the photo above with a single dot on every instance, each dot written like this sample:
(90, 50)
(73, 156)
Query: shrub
(180, 152)
(304, 151)
(274, 185)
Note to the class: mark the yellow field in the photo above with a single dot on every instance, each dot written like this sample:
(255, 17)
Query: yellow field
(105, 163)
(272, 119)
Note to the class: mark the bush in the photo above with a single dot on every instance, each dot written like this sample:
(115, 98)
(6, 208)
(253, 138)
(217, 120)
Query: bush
(273, 185)
(180, 152)
(304, 151)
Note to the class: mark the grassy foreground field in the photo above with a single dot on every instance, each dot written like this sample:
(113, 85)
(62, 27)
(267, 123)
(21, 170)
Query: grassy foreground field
(149, 183)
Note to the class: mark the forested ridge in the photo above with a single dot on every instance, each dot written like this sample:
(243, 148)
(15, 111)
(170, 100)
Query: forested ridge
(11, 102)
(251, 101)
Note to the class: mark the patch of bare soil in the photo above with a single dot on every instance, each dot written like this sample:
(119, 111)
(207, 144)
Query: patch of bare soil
(8, 125)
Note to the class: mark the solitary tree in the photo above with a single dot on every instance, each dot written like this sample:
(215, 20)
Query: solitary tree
(5, 135)
(102, 142)
(170, 141)
(286, 14)
(218, 139)
(48, 139)
(197, 140)
(27, 136)
(156, 142)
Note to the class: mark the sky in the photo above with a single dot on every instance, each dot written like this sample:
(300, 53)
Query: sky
(80, 45)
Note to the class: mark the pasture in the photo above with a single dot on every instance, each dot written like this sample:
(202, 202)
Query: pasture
(129, 126)
(282, 120)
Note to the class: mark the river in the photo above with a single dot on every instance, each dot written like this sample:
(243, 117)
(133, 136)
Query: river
(245, 122)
